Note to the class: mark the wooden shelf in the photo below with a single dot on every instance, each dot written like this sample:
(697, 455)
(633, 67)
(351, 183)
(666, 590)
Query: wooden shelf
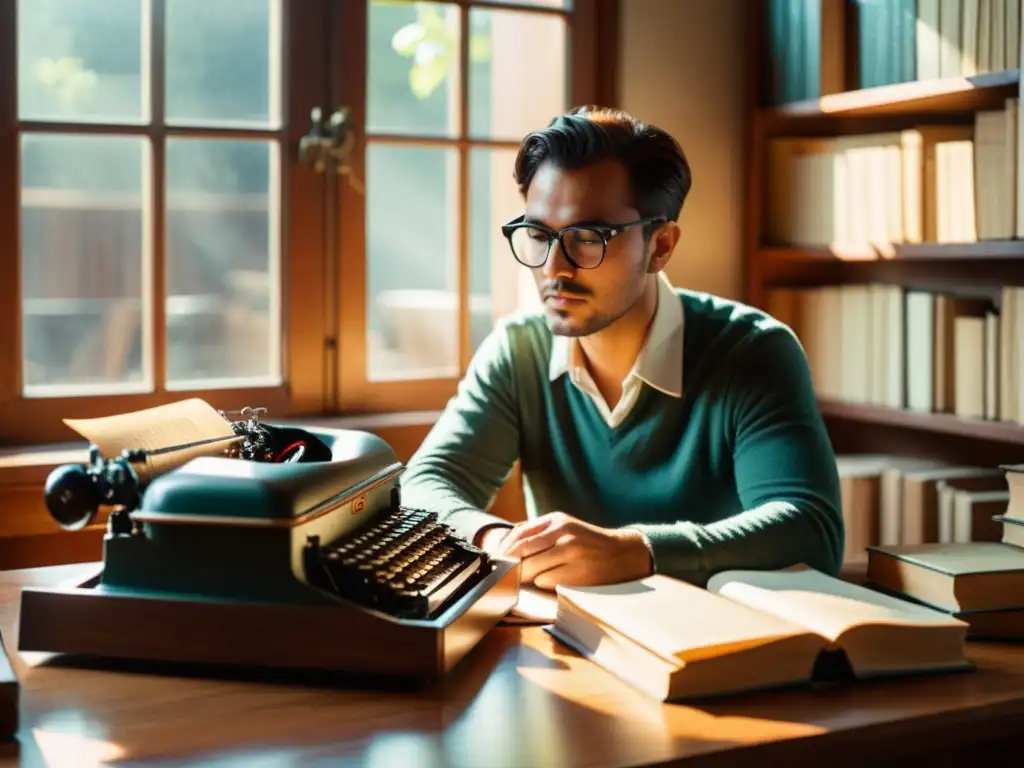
(988, 249)
(933, 423)
(939, 266)
(947, 96)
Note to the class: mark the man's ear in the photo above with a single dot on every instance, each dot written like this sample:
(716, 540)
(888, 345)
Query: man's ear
(663, 243)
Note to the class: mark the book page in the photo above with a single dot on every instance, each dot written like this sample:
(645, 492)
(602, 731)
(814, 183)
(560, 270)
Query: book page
(677, 620)
(187, 421)
(821, 603)
(535, 606)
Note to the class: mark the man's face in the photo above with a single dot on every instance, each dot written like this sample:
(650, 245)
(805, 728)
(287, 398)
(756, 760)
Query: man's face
(579, 302)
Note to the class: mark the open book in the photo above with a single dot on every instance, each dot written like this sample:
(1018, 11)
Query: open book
(752, 630)
(535, 606)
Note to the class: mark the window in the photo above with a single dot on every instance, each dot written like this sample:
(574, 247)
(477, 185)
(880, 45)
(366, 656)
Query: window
(172, 240)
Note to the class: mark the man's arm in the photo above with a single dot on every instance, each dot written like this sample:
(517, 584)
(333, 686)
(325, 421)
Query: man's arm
(469, 453)
(785, 470)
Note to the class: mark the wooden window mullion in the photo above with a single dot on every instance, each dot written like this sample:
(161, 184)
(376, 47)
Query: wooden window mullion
(154, 227)
(10, 267)
(462, 211)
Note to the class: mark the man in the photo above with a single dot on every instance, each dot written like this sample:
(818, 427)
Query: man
(658, 430)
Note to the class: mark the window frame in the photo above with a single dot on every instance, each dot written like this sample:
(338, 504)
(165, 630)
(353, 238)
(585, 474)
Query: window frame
(32, 420)
(323, 249)
(591, 48)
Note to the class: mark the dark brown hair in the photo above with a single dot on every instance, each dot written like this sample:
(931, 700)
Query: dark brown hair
(658, 171)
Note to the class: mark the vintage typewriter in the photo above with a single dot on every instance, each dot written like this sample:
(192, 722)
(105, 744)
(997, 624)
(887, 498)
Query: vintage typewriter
(289, 549)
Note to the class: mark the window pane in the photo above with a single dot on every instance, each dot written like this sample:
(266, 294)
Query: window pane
(84, 214)
(69, 65)
(499, 285)
(411, 245)
(223, 61)
(413, 69)
(517, 73)
(222, 262)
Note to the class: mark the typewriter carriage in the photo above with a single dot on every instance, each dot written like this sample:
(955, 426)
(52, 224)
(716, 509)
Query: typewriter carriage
(209, 565)
(74, 492)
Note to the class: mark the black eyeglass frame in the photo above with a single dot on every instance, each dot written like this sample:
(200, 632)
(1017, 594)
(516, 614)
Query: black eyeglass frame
(605, 232)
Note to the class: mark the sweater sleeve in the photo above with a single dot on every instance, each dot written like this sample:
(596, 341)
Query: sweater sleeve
(785, 473)
(470, 451)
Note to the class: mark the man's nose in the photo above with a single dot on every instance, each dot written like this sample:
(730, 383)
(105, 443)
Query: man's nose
(556, 264)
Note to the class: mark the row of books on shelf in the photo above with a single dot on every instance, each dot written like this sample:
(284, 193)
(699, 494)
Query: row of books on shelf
(871, 192)
(924, 596)
(921, 350)
(892, 500)
(898, 41)
(800, 66)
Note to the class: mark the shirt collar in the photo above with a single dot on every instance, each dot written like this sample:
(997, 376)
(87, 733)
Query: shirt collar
(660, 362)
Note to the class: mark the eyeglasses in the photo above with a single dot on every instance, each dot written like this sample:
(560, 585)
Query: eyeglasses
(583, 246)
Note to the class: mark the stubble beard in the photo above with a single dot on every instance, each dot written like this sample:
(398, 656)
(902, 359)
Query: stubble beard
(562, 324)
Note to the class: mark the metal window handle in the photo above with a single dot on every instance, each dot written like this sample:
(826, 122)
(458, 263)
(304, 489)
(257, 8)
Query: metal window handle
(326, 142)
(329, 143)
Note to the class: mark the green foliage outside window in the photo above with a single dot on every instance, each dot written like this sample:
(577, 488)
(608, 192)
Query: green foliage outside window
(432, 42)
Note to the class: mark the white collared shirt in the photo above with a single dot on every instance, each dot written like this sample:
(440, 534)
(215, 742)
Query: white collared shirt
(659, 364)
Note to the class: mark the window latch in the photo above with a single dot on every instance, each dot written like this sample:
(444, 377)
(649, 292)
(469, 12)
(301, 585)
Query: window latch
(330, 144)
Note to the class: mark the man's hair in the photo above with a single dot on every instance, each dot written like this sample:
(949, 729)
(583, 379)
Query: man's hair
(659, 173)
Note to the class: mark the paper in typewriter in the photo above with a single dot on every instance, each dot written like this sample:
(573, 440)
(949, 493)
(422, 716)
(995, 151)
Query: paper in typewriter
(186, 421)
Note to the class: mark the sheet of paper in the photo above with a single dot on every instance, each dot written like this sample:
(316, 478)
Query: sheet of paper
(535, 606)
(186, 421)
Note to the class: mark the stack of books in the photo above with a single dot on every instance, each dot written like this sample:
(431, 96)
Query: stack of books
(978, 582)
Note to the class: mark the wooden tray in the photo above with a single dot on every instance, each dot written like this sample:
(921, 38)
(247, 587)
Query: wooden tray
(84, 620)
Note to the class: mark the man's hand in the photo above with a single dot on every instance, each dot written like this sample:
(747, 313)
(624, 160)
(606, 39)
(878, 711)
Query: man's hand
(559, 549)
(491, 538)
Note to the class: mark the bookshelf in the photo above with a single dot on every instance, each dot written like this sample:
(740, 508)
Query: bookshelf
(829, 90)
(933, 424)
(945, 96)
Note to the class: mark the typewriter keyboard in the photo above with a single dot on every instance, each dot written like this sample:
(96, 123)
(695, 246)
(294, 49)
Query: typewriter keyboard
(404, 563)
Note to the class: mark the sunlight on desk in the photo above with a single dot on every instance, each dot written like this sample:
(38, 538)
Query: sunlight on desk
(505, 699)
(73, 750)
(399, 749)
(577, 680)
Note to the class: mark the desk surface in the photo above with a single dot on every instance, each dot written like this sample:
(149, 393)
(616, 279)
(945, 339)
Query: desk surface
(520, 699)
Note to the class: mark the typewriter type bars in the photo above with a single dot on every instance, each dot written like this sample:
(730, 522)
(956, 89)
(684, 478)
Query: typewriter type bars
(405, 564)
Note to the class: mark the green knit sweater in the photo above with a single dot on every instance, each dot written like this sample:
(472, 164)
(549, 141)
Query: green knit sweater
(737, 473)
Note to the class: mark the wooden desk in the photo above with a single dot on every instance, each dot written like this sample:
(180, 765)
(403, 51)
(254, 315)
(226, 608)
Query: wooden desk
(518, 700)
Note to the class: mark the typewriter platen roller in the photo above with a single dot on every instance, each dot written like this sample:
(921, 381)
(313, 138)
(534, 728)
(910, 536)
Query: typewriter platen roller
(313, 535)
